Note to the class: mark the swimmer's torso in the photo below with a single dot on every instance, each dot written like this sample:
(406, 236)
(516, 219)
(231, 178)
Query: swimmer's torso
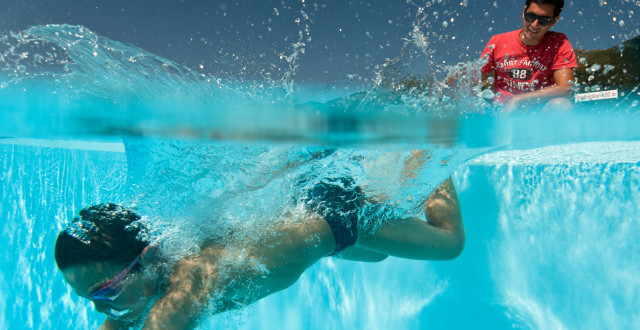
(224, 277)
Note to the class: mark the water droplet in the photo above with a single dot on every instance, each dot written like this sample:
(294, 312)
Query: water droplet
(621, 23)
(445, 24)
(608, 68)
(487, 94)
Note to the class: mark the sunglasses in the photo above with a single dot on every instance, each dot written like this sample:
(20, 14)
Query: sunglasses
(542, 20)
(112, 289)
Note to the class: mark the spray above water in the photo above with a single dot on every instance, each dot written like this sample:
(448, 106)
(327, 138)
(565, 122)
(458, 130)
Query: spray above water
(133, 92)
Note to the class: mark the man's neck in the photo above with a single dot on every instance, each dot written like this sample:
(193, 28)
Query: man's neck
(529, 42)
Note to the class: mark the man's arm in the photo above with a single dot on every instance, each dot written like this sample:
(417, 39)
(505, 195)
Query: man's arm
(563, 78)
(188, 294)
(173, 311)
(488, 79)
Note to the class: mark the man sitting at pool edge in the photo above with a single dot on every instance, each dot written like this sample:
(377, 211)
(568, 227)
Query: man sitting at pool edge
(531, 66)
(103, 258)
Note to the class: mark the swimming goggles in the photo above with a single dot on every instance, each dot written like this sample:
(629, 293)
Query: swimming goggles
(542, 20)
(112, 289)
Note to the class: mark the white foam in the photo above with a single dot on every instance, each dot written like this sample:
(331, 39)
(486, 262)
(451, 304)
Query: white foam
(67, 144)
(572, 153)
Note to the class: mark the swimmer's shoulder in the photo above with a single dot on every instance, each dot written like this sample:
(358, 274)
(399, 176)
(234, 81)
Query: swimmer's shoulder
(189, 288)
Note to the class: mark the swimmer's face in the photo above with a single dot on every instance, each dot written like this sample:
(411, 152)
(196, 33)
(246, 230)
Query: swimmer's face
(129, 305)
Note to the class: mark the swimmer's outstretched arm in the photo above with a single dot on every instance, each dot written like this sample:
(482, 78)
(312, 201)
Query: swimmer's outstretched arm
(192, 287)
(441, 237)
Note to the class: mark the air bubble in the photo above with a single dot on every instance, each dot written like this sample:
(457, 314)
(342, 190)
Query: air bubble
(595, 67)
(608, 68)
(487, 94)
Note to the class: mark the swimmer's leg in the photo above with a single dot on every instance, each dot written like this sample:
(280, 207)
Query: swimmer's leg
(358, 253)
(441, 237)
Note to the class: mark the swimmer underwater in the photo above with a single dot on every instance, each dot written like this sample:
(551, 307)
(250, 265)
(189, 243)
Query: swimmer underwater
(103, 259)
(532, 65)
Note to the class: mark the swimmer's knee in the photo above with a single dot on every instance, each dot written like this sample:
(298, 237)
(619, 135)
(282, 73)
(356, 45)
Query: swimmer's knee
(458, 246)
(455, 246)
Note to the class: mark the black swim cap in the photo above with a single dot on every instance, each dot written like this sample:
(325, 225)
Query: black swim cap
(104, 232)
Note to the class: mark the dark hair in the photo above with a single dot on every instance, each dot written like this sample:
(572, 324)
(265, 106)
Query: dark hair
(104, 232)
(557, 5)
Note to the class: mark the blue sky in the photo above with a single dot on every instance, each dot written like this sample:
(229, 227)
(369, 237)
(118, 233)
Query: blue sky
(348, 39)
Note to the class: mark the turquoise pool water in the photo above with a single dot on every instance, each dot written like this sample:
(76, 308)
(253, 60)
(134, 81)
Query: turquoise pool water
(550, 244)
(550, 201)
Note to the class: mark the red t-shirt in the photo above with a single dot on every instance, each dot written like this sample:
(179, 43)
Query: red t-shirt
(521, 69)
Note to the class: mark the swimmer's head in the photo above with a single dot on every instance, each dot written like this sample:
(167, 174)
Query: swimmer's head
(102, 257)
(105, 232)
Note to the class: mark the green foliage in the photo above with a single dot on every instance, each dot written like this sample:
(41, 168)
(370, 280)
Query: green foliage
(617, 67)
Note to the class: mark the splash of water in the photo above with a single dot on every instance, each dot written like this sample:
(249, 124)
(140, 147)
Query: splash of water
(304, 36)
(132, 92)
(409, 84)
(77, 58)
